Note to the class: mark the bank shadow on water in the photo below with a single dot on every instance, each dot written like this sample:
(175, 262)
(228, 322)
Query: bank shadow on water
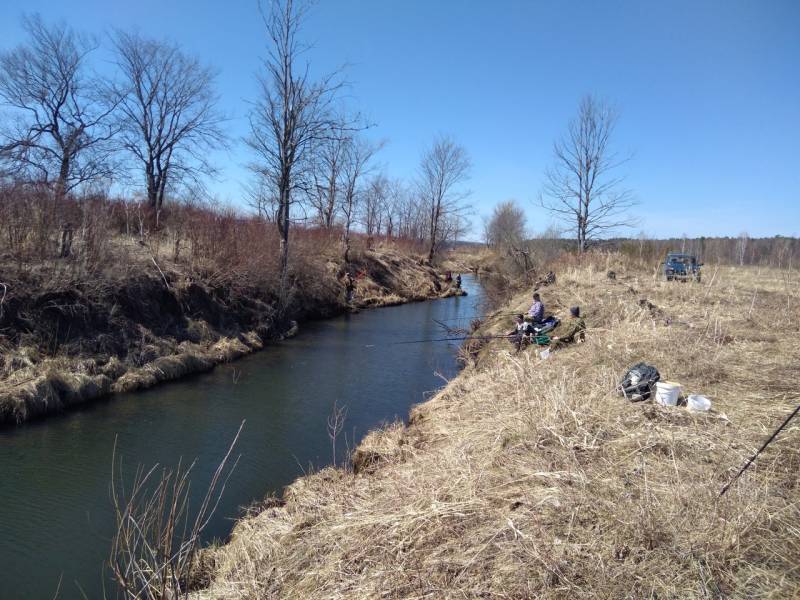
(56, 520)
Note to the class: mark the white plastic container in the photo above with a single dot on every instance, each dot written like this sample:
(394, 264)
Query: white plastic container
(698, 402)
(667, 393)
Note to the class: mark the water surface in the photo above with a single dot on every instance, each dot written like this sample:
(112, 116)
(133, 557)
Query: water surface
(55, 513)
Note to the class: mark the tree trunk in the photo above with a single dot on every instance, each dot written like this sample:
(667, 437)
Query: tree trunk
(346, 245)
(331, 206)
(61, 182)
(152, 187)
(283, 230)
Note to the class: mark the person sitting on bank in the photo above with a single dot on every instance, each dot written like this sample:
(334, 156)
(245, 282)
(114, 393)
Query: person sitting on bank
(536, 311)
(521, 331)
(519, 326)
(573, 330)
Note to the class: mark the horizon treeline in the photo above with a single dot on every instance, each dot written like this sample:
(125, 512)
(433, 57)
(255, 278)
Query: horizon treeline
(506, 231)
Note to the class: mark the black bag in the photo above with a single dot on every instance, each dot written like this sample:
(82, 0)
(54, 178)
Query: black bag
(639, 381)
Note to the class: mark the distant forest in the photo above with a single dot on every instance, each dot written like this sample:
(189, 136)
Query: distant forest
(778, 251)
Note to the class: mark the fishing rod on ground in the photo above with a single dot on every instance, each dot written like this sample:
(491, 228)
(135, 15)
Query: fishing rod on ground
(750, 461)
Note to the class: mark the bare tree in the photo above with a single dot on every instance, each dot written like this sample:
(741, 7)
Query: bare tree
(375, 203)
(506, 232)
(336, 422)
(443, 169)
(356, 158)
(782, 248)
(741, 247)
(417, 219)
(168, 115)
(326, 172)
(291, 118)
(59, 128)
(551, 232)
(506, 228)
(396, 196)
(453, 226)
(642, 239)
(581, 188)
(261, 197)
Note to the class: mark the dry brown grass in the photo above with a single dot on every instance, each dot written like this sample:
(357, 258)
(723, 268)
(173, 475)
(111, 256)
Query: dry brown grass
(526, 478)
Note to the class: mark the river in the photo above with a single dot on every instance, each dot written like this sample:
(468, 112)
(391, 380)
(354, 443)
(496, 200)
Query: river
(56, 520)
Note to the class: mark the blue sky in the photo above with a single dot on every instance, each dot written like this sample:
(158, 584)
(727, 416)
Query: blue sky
(708, 91)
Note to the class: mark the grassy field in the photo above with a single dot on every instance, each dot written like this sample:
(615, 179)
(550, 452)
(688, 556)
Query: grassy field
(527, 478)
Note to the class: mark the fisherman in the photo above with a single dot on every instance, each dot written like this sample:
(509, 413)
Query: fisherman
(574, 328)
(458, 281)
(536, 311)
(520, 331)
(349, 286)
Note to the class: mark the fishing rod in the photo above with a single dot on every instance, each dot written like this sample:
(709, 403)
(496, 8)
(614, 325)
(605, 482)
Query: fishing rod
(451, 330)
(498, 314)
(542, 337)
(760, 450)
(453, 339)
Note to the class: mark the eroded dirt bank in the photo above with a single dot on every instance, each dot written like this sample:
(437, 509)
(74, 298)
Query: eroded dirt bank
(530, 478)
(64, 345)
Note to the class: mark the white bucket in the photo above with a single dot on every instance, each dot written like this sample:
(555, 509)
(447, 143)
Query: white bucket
(698, 402)
(667, 393)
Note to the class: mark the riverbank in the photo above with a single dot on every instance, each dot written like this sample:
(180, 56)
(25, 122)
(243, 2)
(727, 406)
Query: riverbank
(532, 478)
(66, 341)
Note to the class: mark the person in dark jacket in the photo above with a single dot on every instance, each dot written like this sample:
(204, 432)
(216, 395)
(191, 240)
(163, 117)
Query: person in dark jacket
(573, 330)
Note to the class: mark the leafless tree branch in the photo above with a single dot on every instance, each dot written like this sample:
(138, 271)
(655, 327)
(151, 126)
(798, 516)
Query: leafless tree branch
(168, 114)
(580, 187)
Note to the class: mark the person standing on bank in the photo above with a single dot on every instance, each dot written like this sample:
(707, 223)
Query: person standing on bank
(349, 286)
